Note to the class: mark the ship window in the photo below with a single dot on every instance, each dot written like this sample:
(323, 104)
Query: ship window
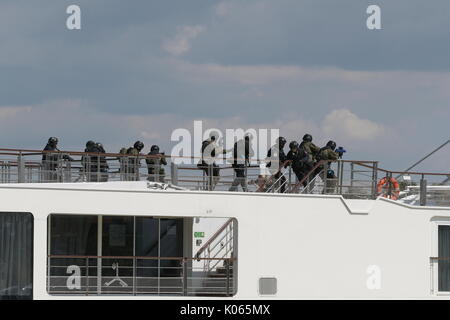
(16, 255)
(444, 258)
(130, 255)
(73, 235)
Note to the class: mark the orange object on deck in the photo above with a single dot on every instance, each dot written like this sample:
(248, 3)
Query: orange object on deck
(383, 188)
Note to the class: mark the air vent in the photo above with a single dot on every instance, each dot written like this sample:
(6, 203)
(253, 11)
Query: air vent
(267, 286)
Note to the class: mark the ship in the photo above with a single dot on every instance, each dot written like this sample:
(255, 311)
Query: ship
(77, 229)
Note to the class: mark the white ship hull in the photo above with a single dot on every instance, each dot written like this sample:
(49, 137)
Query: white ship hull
(315, 246)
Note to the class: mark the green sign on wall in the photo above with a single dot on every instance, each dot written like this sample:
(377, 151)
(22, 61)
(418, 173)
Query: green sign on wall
(199, 234)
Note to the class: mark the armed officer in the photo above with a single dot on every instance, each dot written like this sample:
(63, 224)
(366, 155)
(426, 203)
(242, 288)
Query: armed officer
(90, 162)
(134, 162)
(299, 161)
(242, 152)
(310, 148)
(50, 160)
(211, 149)
(154, 164)
(277, 161)
(329, 154)
(103, 163)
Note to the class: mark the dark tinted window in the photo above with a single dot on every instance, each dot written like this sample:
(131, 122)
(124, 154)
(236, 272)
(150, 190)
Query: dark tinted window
(16, 255)
(444, 252)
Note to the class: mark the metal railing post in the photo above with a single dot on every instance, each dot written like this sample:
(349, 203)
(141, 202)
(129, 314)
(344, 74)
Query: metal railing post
(68, 171)
(228, 276)
(134, 275)
(423, 191)
(325, 177)
(174, 173)
(185, 277)
(290, 180)
(210, 177)
(374, 180)
(20, 169)
(389, 185)
(87, 276)
(245, 177)
(157, 168)
(98, 168)
(340, 176)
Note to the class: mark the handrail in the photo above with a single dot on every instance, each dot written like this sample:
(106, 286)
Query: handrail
(28, 152)
(310, 182)
(439, 258)
(55, 256)
(284, 165)
(318, 164)
(403, 172)
(218, 232)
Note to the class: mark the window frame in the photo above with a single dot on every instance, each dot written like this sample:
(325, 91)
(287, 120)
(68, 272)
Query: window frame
(31, 295)
(434, 267)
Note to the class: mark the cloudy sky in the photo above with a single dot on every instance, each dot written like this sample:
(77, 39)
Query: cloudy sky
(140, 69)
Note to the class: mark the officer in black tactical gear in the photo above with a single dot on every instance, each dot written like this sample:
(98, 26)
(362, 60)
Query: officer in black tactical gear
(328, 154)
(210, 149)
(103, 163)
(154, 164)
(134, 162)
(277, 162)
(310, 148)
(90, 162)
(50, 161)
(242, 152)
(298, 160)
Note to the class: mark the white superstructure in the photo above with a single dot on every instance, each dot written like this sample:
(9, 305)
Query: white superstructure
(314, 246)
(320, 238)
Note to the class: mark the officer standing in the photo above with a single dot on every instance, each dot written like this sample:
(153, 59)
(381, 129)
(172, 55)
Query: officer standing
(90, 162)
(154, 164)
(50, 160)
(277, 162)
(134, 162)
(242, 152)
(329, 154)
(298, 160)
(309, 147)
(211, 149)
(103, 163)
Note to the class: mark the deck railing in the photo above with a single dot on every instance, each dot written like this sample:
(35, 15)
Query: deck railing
(134, 275)
(219, 246)
(349, 178)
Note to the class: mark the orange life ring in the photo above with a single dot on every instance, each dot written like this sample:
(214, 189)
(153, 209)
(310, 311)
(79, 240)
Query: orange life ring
(383, 188)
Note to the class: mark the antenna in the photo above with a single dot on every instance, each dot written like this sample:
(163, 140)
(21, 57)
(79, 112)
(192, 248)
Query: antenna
(424, 158)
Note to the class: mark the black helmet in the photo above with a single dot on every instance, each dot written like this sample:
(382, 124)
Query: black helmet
(139, 145)
(281, 141)
(293, 145)
(90, 144)
(53, 140)
(100, 147)
(213, 135)
(154, 148)
(331, 145)
(307, 137)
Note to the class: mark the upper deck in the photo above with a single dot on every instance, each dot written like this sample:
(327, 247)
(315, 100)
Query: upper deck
(352, 179)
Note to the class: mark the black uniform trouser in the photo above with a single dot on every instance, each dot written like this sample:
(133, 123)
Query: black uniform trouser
(300, 174)
(240, 178)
